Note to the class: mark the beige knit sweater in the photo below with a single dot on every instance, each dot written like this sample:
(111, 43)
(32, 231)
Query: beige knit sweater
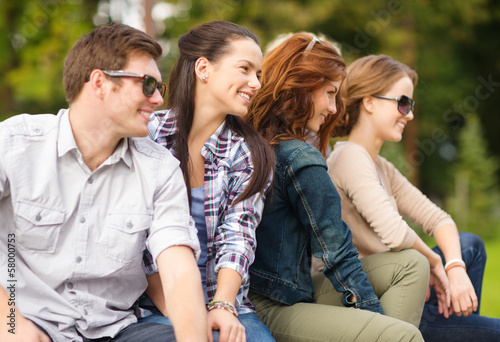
(375, 198)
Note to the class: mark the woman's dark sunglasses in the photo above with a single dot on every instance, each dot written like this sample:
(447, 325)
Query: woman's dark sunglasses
(405, 103)
(149, 83)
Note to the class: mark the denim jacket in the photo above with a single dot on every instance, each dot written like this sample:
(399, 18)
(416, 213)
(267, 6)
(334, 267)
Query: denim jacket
(304, 217)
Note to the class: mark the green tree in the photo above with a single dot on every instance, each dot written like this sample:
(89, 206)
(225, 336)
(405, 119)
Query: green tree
(38, 35)
(476, 202)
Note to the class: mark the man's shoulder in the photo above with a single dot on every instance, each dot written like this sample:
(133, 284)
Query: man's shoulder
(30, 125)
(149, 149)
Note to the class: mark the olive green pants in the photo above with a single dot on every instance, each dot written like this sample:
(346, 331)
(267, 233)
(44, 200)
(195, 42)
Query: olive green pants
(400, 279)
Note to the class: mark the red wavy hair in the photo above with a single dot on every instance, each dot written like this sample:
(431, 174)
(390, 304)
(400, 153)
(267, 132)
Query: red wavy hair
(289, 76)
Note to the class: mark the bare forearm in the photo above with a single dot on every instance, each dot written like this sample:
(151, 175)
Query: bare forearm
(7, 311)
(13, 326)
(228, 285)
(449, 242)
(155, 292)
(431, 256)
(184, 300)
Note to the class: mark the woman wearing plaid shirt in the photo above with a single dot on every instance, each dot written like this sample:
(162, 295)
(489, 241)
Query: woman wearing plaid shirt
(226, 166)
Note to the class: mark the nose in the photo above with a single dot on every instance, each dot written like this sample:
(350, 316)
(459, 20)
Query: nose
(254, 82)
(409, 116)
(156, 99)
(332, 106)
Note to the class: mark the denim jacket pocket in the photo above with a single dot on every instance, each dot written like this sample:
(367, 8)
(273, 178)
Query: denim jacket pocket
(38, 227)
(126, 235)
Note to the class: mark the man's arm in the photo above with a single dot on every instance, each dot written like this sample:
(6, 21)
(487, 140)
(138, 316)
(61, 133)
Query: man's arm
(14, 327)
(184, 300)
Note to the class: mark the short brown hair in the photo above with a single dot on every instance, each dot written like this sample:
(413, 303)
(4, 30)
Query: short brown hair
(367, 76)
(107, 47)
(289, 76)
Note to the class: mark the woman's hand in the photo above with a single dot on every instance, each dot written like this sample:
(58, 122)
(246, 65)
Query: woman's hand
(230, 328)
(439, 281)
(463, 297)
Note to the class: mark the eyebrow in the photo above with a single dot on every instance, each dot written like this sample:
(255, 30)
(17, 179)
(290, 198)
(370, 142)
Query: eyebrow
(249, 63)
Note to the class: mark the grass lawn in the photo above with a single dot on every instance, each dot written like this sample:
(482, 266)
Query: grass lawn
(490, 301)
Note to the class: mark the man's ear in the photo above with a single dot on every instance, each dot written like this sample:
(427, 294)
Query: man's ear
(202, 69)
(368, 104)
(97, 81)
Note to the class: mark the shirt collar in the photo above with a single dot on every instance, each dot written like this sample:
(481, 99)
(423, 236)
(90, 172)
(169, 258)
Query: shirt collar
(218, 143)
(66, 142)
(122, 151)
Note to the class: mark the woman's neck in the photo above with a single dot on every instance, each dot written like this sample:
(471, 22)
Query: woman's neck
(365, 138)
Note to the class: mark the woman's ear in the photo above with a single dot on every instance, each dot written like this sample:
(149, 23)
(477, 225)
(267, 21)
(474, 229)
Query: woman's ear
(368, 104)
(201, 69)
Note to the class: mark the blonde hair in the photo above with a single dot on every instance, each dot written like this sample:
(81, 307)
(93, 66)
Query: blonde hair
(367, 76)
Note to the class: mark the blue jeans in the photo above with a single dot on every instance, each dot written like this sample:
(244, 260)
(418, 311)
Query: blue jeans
(255, 330)
(435, 327)
(140, 331)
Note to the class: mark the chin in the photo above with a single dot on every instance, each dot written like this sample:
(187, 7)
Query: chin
(396, 139)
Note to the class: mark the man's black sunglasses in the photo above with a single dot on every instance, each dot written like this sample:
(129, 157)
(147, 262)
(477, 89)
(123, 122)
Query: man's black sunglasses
(405, 103)
(149, 83)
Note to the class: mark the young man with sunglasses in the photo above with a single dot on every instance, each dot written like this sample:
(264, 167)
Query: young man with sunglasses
(81, 196)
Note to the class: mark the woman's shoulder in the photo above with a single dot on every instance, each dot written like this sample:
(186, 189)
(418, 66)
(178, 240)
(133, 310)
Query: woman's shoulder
(298, 153)
(346, 152)
(162, 123)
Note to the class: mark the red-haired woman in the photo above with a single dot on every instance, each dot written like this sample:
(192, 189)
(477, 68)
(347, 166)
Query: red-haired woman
(300, 94)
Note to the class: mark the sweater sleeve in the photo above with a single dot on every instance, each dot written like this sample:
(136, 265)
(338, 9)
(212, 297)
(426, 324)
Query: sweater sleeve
(412, 203)
(353, 171)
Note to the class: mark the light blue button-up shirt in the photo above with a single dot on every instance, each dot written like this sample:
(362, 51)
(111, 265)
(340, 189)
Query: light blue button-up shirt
(80, 234)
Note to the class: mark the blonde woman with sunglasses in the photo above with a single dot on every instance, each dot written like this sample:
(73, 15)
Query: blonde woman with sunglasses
(375, 197)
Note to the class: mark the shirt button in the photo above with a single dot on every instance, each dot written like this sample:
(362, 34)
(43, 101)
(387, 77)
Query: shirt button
(70, 285)
(130, 224)
(38, 217)
(82, 219)
(78, 259)
(91, 180)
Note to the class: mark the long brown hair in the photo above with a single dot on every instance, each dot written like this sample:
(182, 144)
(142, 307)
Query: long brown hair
(367, 76)
(212, 41)
(290, 73)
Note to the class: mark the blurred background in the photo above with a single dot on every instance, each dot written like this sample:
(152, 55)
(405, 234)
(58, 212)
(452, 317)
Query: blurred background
(451, 150)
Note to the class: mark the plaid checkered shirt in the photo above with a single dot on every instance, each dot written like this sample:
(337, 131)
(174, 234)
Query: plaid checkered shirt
(230, 227)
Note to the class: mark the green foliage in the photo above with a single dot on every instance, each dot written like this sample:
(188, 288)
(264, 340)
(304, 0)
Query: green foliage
(490, 300)
(38, 36)
(476, 204)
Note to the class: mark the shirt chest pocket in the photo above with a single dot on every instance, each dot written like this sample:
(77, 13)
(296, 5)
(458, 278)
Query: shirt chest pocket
(38, 227)
(125, 236)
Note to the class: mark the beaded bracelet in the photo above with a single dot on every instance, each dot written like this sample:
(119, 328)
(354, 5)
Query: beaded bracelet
(222, 304)
(454, 263)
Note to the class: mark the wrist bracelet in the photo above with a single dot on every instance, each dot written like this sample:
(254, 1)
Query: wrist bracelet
(222, 304)
(454, 263)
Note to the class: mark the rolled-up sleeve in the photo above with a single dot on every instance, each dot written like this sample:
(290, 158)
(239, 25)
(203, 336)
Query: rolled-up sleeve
(4, 187)
(235, 238)
(172, 224)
